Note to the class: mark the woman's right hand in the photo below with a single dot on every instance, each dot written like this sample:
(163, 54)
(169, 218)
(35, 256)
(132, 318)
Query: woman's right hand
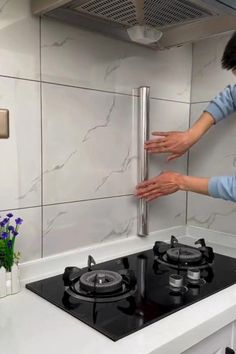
(176, 143)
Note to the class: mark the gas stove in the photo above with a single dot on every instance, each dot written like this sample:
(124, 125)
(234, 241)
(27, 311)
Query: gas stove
(124, 295)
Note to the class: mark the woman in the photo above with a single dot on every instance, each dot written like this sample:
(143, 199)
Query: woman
(177, 143)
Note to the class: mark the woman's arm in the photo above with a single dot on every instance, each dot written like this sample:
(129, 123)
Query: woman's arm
(177, 143)
(223, 104)
(223, 187)
(169, 182)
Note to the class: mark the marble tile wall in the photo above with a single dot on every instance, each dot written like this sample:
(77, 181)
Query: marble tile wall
(98, 62)
(214, 155)
(208, 79)
(70, 165)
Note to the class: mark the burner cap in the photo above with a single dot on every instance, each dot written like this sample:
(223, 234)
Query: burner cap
(184, 254)
(101, 281)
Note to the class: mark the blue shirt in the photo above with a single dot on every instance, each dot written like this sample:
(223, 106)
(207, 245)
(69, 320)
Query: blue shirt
(220, 107)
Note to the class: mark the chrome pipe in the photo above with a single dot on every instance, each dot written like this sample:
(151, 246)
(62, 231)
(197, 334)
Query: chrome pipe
(143, 135)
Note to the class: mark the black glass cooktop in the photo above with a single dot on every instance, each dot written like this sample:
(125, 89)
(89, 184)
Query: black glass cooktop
(149, 296)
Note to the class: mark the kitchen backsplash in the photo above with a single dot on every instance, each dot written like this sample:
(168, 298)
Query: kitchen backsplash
(215, 154)
(69, 168)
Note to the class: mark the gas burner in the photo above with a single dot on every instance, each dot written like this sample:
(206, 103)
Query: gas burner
(182, 257)
(98, 285)
(100, 281)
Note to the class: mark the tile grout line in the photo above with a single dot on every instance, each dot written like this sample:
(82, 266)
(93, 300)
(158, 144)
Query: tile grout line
(167, 100)
(21, 208)
(90, 200)
(199, 102)
(88, 88)
(69, 202)
(41, 122)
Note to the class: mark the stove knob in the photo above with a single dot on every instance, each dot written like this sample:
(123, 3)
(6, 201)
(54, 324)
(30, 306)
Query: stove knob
(193, 274)
(176, 281)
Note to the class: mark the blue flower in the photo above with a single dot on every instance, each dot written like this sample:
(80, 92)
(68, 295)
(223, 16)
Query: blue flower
(5, 221)
(10, 215)
(15, 233)
(18, 221)
(4, 235)
(9, 244)
(11, 228)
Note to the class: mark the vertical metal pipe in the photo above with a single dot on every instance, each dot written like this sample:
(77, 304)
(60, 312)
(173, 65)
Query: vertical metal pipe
(143, 134)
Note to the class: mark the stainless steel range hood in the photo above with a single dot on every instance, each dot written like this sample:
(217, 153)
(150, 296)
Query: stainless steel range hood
(180, 21)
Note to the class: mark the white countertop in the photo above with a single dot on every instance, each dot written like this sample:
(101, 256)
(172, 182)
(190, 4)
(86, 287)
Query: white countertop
(31, 325)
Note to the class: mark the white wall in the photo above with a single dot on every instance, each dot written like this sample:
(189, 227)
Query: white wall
(69, 167)
(215, 154)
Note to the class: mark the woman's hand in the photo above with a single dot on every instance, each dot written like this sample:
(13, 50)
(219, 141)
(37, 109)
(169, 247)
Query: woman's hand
(170, 182)
(177, 143)
(174, 142)
(166, 183)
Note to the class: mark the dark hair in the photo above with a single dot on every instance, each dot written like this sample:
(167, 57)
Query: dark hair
(229, 57)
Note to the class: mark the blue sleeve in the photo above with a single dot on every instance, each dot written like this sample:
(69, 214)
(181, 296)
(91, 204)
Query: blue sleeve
(224, 104)
(223, 187)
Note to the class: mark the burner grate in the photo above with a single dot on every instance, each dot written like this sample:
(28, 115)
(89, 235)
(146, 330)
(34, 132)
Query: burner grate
(96, 285)
(178, 256)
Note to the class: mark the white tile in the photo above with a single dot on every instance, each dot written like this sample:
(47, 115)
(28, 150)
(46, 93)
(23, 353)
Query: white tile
(73, 56)
(169, 210)
(28, 242)
(208, 77)
(88, 147)
(210, 213)
(21, 153)
(213, 155)
(19, 38)
(73, 225)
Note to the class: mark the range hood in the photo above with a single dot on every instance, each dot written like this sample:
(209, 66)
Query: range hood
(158, 24)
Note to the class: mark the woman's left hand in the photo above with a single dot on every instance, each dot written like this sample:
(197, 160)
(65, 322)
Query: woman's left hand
(167, 182)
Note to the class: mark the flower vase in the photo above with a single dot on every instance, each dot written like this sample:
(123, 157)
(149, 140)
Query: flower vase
(9, 281)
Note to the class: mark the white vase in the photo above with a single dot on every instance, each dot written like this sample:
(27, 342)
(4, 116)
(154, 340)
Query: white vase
(9, 281)
(3, 280)
(15, 279)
